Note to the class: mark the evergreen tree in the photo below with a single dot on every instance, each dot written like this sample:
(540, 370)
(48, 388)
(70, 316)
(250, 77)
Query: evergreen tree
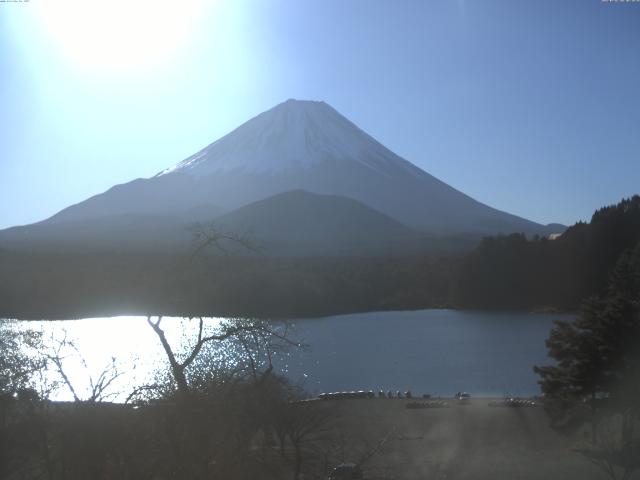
(598, 354)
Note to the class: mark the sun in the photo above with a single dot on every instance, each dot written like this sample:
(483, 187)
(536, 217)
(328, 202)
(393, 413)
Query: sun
(120, 34)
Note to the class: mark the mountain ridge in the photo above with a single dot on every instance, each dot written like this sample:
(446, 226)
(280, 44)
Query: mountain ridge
(302, 145)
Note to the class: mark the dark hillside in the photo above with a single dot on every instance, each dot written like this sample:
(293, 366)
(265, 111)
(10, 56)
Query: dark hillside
(65, 285)
(514, 272)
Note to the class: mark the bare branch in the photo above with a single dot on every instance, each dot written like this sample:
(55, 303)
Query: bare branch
(208, 235)
(260, 332)
(56, 358)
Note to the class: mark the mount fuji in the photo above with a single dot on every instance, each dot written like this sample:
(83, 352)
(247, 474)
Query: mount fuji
(295, 146)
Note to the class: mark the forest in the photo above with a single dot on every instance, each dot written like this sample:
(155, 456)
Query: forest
(60, 286)
(514, 272)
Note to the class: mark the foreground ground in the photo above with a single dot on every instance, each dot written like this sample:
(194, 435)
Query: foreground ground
(235, 438)
(473, 441)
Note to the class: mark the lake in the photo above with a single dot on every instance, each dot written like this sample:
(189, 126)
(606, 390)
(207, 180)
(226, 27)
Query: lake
(438, 352)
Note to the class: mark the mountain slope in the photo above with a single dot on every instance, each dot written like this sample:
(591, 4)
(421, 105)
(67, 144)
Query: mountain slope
(290, 223)
(124, 232)
(310, 146)
(299, 222)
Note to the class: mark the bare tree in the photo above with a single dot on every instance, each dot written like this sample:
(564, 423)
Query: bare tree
(336, 447)
(242, 329)
(616, 455)
(209, 236)
(301, 423)
(63, 349)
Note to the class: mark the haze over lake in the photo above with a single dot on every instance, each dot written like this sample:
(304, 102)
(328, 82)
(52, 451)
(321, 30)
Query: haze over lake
(427, 351)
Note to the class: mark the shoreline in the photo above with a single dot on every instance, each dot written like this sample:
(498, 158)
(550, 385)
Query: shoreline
(105, 315)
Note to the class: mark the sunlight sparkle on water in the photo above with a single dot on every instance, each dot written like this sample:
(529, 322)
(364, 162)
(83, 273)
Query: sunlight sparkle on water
(127, 339)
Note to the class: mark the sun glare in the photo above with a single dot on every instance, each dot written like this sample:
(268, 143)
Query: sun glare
(119, 34)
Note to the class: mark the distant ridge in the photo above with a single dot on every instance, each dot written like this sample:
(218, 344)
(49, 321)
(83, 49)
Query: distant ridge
(303, 222)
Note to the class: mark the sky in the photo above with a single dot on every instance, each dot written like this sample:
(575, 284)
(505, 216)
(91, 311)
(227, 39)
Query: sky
(532, 107)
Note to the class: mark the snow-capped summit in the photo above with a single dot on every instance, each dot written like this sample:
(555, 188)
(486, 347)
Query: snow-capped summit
(294, 134)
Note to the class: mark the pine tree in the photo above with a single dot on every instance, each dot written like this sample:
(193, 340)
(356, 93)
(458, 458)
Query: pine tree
(597, 353)
(598, 363)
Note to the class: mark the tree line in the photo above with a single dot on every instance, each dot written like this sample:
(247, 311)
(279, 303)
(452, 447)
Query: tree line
(45, 285)
(515, 272)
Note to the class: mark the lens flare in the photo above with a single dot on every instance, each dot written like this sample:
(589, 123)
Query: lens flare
(118, 34)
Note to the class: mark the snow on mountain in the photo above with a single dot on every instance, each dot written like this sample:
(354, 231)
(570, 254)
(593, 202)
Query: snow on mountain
(292, 135)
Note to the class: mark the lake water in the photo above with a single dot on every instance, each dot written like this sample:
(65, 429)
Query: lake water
(428, 351)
